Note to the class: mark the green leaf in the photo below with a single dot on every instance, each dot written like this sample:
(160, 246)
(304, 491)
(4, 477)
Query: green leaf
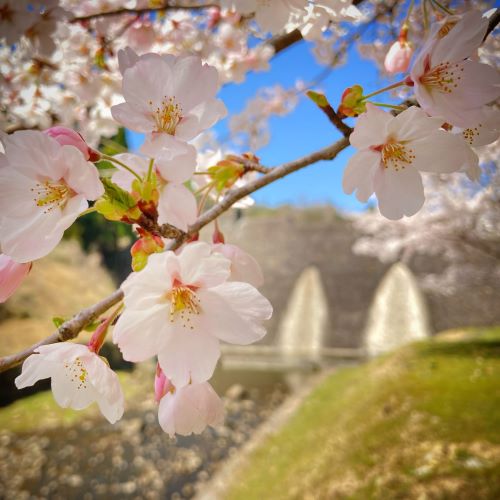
(91, 327)
(318, 99)
(116, 195)
(58, 321)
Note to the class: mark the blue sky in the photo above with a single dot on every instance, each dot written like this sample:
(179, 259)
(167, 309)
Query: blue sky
(303, 131)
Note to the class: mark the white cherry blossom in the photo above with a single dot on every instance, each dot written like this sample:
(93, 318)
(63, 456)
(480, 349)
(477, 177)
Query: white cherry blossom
(243, 266)
(169, 98)
(271, 16)
(179, 307)
(78, 378)
(44, 186)
(392, 151)
(481, 134)
(190, 409)
(447, 82)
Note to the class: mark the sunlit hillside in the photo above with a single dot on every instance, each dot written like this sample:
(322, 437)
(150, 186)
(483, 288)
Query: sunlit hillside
(423, 422)
(58, 285)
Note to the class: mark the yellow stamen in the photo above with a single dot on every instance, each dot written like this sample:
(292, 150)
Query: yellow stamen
(52, 194)
(167, 116)
(397, 155)
(444, 78)
(185, 303)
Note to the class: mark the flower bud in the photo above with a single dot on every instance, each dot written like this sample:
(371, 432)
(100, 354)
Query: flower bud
(68, 137)
(398, 57)
(162, 384)
(146, 245)
(352, 103)
(12, 275)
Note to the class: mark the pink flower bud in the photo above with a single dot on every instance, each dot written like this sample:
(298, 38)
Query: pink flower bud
(68, 137)
(162, 384)
(398, 57)
(12, 275)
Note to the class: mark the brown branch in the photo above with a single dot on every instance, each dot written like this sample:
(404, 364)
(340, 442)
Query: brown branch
(234, 195)
(335, 119)
(145, 10)
(70, 329)
(285, 40)
(67, 331)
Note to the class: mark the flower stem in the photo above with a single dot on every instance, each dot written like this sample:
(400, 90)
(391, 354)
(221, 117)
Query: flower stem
(118, 162)
(385, 89)
(150, 169)
(439, 5)
(391, 106)
(88, 211)
(408, 13)
(206, 186)
(204, 198)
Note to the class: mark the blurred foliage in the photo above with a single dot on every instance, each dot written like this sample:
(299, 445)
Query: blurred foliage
(423, 422)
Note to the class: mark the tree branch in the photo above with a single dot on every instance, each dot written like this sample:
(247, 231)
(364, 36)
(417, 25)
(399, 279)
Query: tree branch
(67, 331)
(70, 329)
(145, 10)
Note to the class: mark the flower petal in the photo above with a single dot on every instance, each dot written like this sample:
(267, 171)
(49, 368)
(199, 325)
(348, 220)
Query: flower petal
(399, 192)
(359, 174)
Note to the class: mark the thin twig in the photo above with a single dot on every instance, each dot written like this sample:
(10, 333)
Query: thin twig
(139, 12)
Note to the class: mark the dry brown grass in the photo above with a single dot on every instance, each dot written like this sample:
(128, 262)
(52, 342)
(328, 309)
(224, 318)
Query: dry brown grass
(59, 285)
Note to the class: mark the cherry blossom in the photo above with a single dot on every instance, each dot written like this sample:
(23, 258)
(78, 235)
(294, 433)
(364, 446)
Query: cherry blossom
(169, 98)
(322, 12)
(177, 205)
(270, 16)
(43, 188)
(12, 274)
(243, 266)
(392, 153)
(78, 378)
(189, 409)
(447, 82)
(179, 306)
(481, 134)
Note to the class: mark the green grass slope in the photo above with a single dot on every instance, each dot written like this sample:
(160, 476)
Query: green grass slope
(421, 423)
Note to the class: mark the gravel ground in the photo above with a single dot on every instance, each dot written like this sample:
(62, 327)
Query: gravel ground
(132, 459)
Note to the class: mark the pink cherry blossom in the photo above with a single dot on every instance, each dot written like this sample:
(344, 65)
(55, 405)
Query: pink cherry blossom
(177, 204)
(189, 409)
(78, 378)
(43, 188)
(243, 266)
(179, 307)
(169, 98)
(12, 274)
(398, 57)
(392, 153)
(68, 137)
(447, 82)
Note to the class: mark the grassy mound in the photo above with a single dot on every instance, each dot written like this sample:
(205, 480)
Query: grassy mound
(423, 422)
